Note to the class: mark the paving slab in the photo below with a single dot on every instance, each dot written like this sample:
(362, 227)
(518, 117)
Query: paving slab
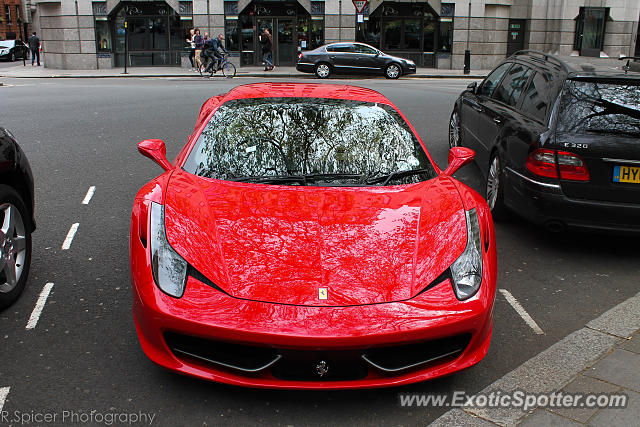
(621, 367)
(457, 417)
(584, 385)
(540, 417)
(629, 416)
(633, 344)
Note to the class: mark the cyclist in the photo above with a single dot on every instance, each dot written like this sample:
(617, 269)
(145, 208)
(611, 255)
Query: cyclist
(214, 52)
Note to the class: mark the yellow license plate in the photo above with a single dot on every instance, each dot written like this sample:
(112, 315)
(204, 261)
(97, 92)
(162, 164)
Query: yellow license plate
(626, 174)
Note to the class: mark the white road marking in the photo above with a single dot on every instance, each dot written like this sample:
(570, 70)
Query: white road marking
(89, 195)
(72, 232)
(4, 391)
(521, 311)
(37, 310)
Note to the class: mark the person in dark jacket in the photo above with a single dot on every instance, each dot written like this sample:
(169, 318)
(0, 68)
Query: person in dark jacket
(266, 43)
(215, 53)
(34, 47)
(198, 40)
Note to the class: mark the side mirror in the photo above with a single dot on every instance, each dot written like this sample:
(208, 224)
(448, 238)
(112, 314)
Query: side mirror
(156, 151)
(473, 87)
(458, 157)
(377, 53)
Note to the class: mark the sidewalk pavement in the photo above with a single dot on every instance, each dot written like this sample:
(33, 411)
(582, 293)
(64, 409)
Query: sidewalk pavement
(28, 71)
(601, 358)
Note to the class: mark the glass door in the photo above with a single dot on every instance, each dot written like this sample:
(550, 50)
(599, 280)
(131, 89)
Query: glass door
(285, 43)
(590, 30)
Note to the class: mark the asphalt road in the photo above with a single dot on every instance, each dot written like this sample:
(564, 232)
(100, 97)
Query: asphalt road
(83, 355)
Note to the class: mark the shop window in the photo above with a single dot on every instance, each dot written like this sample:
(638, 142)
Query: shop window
(103, 38)
(412, 33)
(429, 35)
(445, 37)
(392, 34)
(246, 39)
(232, 41)
(303, 32)
(317, 32)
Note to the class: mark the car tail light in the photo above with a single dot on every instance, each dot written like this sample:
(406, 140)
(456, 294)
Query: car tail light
(299, 56)
(572, 167)
(547, 163)
(542, 163)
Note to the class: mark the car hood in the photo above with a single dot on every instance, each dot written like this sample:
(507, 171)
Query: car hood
(282, 244)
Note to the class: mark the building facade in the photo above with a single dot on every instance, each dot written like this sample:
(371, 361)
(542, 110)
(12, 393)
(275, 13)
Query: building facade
(86, 34)
(12, 22)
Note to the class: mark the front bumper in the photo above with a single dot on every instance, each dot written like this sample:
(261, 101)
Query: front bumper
(408, 69)
(304, 337)
(545, 204)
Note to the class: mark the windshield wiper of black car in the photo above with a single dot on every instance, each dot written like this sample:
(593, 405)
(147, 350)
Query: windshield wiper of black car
(385, 179)
(614, 131)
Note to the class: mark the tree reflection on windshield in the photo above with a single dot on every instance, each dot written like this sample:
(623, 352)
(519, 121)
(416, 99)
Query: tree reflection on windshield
(600, 107)
(332, 142)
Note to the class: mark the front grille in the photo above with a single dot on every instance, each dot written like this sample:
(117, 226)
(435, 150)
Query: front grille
(404, 357)
(317, 365)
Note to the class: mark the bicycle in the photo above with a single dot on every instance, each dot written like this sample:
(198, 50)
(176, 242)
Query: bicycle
(228, 69)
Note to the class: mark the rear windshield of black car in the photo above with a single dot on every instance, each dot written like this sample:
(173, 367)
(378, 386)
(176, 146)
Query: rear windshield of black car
(309, 141)
(600, 107)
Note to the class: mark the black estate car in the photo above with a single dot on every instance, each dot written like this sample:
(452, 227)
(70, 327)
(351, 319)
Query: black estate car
(13, 49)
(352, 58)
(558, 144)
(16, 218)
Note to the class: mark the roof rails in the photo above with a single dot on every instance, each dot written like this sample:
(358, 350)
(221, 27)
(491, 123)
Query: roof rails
(545, 56)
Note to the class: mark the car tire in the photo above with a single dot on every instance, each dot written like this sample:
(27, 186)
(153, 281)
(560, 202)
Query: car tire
(322, 70)
(14, 228)
(495, 189)
(393, 71)
(455, 136)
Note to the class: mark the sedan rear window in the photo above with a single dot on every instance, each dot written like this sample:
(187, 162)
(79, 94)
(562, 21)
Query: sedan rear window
(600, 107)
(309, 141)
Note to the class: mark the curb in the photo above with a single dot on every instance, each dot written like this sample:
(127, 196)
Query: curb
(553, 368)
(268, 75)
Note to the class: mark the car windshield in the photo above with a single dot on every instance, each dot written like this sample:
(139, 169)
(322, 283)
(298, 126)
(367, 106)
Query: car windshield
(6, 44)
(309, 141)
(600, 107)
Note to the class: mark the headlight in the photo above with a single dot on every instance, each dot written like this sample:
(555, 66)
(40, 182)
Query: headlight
(4, 52)
(466, 271)
(169, 269)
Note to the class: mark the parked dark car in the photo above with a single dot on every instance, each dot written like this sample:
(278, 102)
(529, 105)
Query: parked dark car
(557, 143)
(352, 58)
(16, 218)
(13, 49)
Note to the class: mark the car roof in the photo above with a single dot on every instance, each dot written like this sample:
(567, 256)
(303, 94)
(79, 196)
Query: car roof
(305, 90)
(578, 67)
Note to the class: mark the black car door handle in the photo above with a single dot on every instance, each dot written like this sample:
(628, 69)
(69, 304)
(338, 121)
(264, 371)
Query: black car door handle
(477, 108)
(497, 120)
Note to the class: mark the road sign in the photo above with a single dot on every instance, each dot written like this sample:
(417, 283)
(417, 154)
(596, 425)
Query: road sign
(360, 4)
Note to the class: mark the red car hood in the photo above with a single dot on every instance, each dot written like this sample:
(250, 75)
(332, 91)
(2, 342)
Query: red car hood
(281, 244)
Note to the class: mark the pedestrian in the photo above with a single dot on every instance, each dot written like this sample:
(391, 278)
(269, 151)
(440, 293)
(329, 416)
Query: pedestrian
(192, 48)
(34, 47)
(198, 40)
(266, 43)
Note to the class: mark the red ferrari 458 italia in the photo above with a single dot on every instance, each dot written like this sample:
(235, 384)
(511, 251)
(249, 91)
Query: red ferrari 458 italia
(304, 238)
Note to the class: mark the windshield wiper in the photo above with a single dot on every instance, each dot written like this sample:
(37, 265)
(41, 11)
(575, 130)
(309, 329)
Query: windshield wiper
(397, 174)
(614, 131)
(266, 179)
